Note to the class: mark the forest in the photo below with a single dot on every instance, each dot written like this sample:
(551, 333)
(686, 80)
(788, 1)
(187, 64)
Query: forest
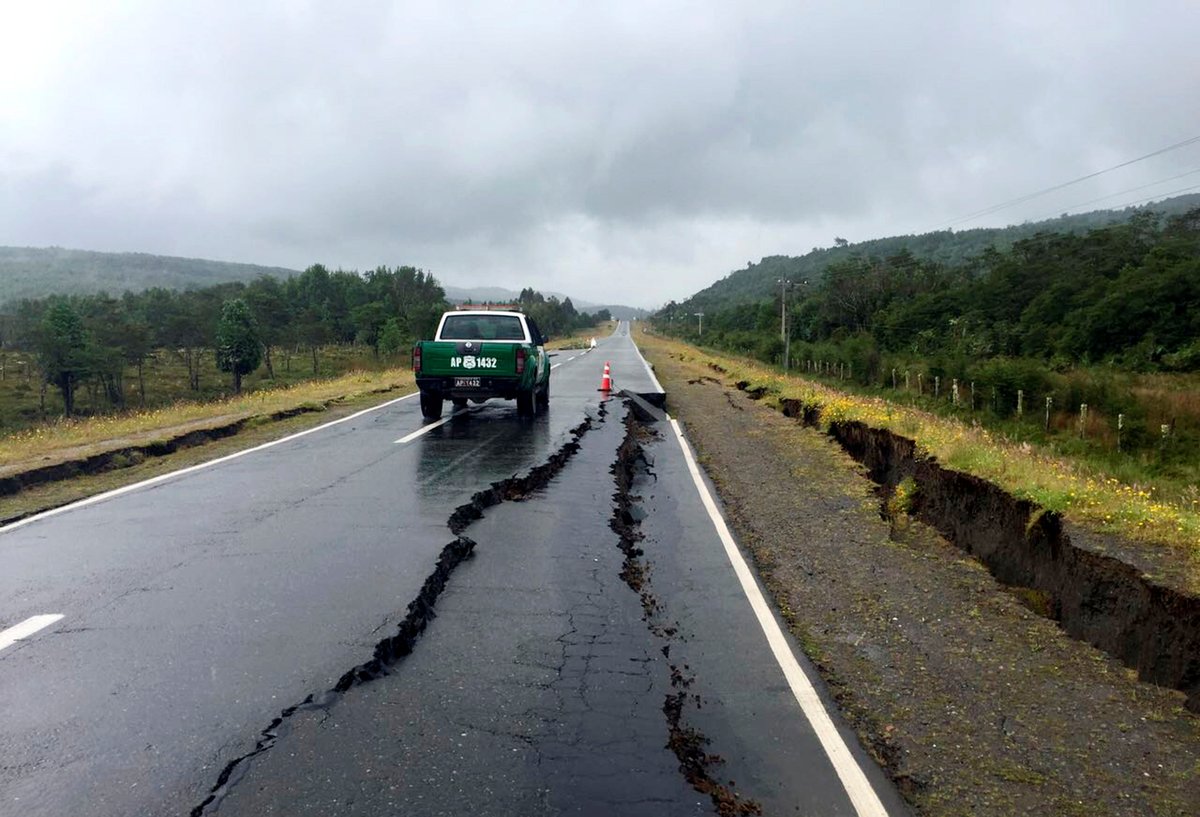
(102, 343)
(1056, 320)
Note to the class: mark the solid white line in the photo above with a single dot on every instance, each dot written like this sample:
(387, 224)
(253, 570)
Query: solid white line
(430, 427)
(27, 628)
(866, 802)
(91, 500)
(649, 371)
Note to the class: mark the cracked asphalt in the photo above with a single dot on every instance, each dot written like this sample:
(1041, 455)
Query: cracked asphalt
(198, 610)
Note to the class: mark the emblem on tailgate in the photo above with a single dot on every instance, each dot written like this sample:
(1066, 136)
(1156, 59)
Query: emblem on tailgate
(472, 362)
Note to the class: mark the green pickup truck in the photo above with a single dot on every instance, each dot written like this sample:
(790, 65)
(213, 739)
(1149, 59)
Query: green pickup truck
(479, 354)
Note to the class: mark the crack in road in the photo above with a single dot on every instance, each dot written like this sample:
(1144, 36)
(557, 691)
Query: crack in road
(420, 611)
(689, 745)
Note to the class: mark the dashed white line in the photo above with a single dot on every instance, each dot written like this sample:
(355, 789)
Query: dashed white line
(91, 500)
(27, 628)
(426, 429)
(862, 796)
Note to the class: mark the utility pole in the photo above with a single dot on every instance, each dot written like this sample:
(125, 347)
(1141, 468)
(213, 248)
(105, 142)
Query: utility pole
(786, 335)
(700, 315)
(783, 285)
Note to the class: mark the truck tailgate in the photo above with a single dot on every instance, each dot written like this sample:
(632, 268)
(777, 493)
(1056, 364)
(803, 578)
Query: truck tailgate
(468, 358)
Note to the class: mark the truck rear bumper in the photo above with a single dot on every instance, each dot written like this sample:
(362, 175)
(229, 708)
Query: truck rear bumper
(506, 388)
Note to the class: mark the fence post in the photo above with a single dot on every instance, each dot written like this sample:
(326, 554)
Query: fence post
(954, 391)
(972, 395)
(893, 378)
(907, 384)
(937, 386)
(920, 385)
(1049, 403)
(1120, 428)
(1082, 420)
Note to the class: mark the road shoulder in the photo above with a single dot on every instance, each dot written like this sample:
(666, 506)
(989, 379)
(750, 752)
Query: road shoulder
(973, 703)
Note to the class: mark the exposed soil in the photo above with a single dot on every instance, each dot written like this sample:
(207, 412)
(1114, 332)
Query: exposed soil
(124, 452)
(130, 465)
(973, 702)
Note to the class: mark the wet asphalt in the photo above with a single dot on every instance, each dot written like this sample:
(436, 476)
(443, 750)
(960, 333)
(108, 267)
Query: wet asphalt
(197, 610)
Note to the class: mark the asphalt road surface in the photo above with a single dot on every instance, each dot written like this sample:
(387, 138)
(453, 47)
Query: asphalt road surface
(484, 615)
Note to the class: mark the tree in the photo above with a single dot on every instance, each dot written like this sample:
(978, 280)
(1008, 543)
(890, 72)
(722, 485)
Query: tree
(268, 301)
(63, 351)
(391, 338)
(239, 349)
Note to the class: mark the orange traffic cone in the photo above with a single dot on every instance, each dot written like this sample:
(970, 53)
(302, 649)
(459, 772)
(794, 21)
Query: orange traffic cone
(606, 380)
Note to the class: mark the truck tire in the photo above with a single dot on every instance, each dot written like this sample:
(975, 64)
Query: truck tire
(543, 397)
(526, 405)
(431, 405)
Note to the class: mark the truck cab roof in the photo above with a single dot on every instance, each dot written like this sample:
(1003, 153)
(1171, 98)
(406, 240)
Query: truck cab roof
(487, 325)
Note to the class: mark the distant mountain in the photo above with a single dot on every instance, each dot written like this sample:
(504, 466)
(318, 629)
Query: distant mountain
(760, 280)
(36, 272)
(29, 272)
(500, 295)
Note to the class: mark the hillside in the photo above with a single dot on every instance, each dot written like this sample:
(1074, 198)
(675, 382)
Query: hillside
(35, 272)
(949, 247)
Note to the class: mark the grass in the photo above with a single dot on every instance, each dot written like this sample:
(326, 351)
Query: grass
(66, 437)
(1080, 491)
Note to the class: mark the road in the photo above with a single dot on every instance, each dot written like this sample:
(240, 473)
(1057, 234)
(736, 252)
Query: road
(486, 615)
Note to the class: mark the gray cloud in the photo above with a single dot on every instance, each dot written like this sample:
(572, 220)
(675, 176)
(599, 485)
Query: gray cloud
(629, 152)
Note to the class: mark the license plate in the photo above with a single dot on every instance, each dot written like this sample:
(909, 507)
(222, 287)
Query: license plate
(466, 382)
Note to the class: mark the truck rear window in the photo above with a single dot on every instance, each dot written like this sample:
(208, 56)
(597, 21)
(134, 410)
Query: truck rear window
(482, 327)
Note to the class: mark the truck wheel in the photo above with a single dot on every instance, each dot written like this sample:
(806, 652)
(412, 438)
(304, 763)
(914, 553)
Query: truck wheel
(543, 397)
(525, 404)
(431, 405)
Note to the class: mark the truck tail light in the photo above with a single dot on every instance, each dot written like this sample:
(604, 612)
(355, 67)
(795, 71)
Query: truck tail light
(416, 360)
(520, 361)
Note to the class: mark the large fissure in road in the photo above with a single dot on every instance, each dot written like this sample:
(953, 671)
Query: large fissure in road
(698, 765)
(391, 650)
(1096, 598)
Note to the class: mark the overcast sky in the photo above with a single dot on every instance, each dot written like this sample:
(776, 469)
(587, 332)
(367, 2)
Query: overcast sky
(619, 152)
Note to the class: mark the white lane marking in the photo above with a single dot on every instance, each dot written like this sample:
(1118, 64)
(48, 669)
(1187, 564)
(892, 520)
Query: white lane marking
(27, 628)
(91, 500)
(426, 429)
(556, 365)
(866, 802)
(649, 371)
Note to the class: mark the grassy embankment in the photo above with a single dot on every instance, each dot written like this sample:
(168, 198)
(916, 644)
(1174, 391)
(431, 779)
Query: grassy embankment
(83, 436)
(1082, 492)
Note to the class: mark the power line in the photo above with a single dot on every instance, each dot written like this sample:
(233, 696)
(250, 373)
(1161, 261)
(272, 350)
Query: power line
(1021, 199)
(1158, 196)
(1114, 195)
